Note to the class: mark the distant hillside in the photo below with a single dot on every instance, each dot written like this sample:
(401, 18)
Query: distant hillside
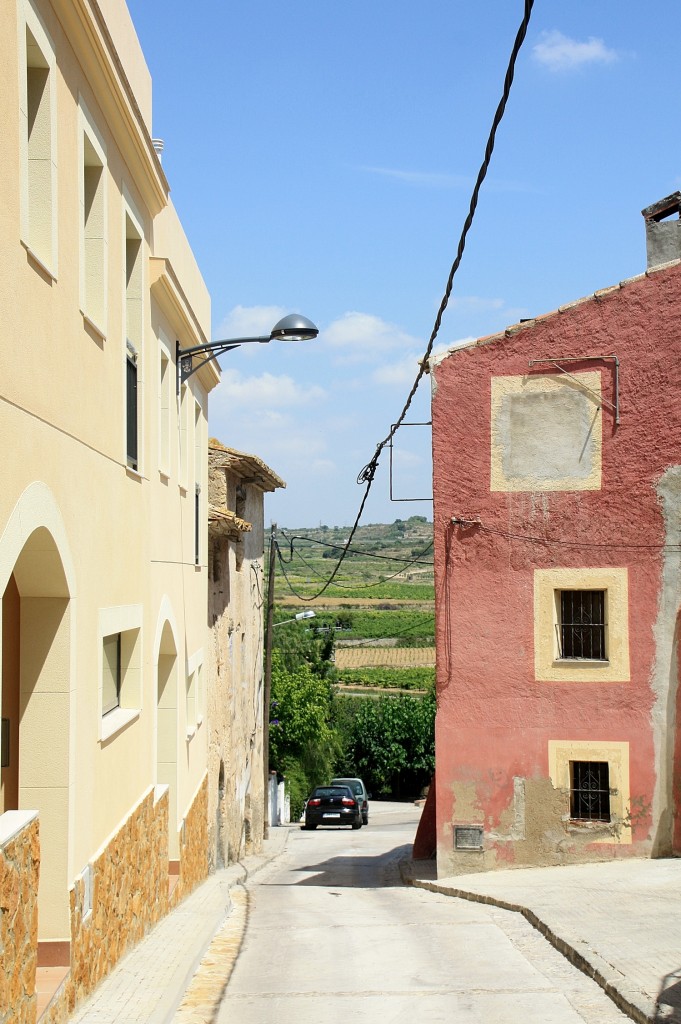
(385, 561)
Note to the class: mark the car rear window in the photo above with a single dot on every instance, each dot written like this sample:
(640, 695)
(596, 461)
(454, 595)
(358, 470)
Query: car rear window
(326, 791)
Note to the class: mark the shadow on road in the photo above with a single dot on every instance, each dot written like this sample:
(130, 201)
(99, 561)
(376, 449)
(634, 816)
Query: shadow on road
(358, 871)
(668, 1003)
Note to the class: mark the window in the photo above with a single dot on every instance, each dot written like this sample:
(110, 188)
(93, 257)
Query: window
(131, 408)
(38, 143)
(134, 314)
(589, 790)
(593, 777)
(184, 412)
(164, 399)
(191, 703)
(120, 668)
(93, 230)
(111, 673)
(582, 627)
(581, 624)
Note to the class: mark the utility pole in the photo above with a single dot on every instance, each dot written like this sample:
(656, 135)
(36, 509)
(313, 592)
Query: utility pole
(267, 685)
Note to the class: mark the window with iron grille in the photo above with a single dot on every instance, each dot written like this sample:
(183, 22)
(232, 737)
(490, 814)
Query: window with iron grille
(589, 790)
(581, 630)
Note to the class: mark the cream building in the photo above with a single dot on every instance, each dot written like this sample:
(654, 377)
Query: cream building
(103, 509)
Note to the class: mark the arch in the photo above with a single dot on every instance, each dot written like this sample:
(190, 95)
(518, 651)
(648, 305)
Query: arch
(37, 583)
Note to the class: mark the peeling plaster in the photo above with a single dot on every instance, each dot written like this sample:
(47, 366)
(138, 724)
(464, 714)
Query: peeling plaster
(664, 680)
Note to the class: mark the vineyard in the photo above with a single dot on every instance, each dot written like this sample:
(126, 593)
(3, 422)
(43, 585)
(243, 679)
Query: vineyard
(379, 610)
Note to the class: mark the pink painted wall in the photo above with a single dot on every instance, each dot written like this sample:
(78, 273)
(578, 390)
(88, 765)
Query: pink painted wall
(494, 720)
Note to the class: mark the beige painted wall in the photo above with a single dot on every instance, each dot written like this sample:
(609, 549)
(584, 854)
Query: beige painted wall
(105, 548)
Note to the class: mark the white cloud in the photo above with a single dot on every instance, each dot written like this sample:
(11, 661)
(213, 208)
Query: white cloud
(266, 392)
(402, 372)
(560, 53)
(431, 179)
(363, 337)
(437, 179)
(250, 321)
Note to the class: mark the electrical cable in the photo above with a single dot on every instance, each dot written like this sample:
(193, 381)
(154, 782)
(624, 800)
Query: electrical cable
(367, 474)
(557, 542)
(359, 551)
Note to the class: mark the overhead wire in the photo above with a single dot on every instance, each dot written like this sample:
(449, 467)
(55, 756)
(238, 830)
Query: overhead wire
(367, 474)
(359, 551)
(469, 524)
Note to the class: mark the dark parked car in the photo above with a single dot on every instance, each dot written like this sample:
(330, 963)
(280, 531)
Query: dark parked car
(361, 795)
(332, 805)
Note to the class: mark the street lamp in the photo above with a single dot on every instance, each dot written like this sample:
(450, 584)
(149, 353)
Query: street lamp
(307, 614)
(293, 327)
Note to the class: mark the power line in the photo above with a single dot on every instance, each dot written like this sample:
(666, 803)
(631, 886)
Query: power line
(369, 472)
(341, 586)
(469, 524)
(359, 551)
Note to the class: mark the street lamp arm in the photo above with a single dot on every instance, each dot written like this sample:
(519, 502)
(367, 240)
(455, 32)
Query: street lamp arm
(290, 328)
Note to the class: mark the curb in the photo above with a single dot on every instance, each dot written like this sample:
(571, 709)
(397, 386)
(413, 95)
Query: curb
(202, 993)
(614, 984)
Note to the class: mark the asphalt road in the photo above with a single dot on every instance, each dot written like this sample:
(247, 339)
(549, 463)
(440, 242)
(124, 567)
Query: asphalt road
(333, 936)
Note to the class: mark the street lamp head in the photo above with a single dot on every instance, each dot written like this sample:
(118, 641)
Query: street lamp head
(294, 327)
(307, 614)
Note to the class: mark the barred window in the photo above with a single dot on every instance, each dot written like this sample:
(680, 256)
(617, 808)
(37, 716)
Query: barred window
(589, 790)
(581, 630)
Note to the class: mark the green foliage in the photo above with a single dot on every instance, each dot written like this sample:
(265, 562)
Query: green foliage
(390, 742)
(412, 628)
(421, 677)
(303, 744)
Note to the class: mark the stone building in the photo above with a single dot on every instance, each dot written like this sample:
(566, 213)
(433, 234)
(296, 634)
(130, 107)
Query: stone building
(237, 484)
(557, 487)
(103, 512)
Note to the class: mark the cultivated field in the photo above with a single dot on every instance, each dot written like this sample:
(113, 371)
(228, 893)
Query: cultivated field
(388, 657)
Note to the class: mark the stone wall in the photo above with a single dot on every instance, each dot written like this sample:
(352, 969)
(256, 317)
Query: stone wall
(193, 846)
(19, 871)
(129, 894)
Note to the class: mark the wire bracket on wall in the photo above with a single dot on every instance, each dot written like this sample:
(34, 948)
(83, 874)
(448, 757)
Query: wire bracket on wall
(557, 360)
(393, 431)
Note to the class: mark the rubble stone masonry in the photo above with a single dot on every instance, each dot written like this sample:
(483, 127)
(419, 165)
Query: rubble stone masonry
(19, 871)
(129, 894)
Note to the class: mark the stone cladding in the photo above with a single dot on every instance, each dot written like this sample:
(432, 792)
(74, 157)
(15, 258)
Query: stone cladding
(193, 846)
(19, 872)
(129, 894)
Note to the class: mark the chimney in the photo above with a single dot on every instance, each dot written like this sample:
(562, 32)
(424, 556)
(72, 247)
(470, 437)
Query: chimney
(663, 236)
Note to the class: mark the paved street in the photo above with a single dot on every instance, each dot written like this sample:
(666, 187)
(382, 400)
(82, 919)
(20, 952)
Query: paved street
(332, 935)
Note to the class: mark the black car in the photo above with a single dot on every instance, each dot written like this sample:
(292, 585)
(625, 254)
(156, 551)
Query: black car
(332, 805)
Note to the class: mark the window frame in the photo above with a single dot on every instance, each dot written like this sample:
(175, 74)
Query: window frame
(580, 771)
(548, 665)
(562, 600)
(38, 198)
(94, 245)
(124, 621)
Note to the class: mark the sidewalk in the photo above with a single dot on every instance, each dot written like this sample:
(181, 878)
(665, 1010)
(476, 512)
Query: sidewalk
(619, 922)
(149, 984)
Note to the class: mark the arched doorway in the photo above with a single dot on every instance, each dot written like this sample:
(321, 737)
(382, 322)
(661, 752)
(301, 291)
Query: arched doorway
(166, 731)
(36, 704)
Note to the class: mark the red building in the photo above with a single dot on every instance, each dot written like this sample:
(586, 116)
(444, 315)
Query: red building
(557, 487)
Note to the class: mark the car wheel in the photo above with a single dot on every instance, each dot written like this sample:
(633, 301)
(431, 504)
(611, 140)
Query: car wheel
(356, 824)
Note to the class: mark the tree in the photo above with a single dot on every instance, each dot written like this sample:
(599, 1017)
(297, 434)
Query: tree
(391, 743)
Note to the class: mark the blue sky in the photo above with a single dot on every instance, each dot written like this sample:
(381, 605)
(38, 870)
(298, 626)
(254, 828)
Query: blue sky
(321, 157)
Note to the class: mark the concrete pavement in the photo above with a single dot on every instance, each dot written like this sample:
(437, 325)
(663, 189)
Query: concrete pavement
(153, 982)
(619, 922)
